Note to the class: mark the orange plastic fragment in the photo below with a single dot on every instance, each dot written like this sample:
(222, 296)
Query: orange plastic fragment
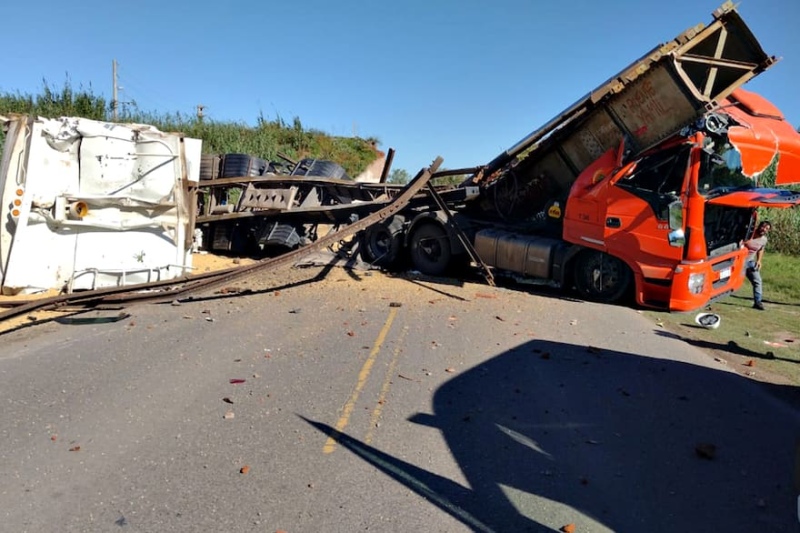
(750, 362)
(569, 528)
(245, 469)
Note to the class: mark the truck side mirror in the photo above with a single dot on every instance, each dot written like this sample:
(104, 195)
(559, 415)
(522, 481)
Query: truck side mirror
(676, 236)
(675, 210)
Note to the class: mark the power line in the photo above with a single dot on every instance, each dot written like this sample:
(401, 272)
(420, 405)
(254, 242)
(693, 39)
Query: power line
(136, 92)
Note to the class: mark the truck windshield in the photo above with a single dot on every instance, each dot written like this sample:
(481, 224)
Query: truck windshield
(658, 178)
(721, 171)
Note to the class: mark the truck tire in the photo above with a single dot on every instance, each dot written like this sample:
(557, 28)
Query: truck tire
(321, 168)
(430, 249)
(382, 244)
(242, 165)
(601, 277)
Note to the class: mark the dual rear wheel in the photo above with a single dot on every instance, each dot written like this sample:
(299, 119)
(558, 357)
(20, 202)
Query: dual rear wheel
(429, 250)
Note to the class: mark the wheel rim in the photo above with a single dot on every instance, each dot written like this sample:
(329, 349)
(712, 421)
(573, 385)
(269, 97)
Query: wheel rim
(602, 277)
(381, 243)
(431, 247)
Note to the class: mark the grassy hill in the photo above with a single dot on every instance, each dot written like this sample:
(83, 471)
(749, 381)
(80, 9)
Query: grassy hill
(265, 139)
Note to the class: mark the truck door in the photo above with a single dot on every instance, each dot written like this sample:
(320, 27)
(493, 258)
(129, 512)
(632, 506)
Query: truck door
(637, 217)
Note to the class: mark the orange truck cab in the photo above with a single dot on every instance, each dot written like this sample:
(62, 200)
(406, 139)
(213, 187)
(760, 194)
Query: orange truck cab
(676, 217)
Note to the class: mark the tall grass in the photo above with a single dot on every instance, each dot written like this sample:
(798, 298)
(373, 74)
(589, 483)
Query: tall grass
(785, 235)
(266, 139)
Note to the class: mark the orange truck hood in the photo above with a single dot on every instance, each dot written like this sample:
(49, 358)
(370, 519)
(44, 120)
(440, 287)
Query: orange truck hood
(761, 134)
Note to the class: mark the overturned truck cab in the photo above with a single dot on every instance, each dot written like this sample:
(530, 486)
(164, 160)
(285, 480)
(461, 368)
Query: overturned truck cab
(88, 204)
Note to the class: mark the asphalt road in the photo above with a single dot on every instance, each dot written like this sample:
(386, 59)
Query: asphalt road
(365, 403)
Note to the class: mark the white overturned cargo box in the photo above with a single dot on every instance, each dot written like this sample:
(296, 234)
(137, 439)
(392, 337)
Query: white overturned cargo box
(88, 204)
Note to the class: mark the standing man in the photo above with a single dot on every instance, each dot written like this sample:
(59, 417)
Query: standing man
(755, 246)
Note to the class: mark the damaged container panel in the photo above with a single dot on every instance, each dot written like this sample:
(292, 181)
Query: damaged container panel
(89, 204)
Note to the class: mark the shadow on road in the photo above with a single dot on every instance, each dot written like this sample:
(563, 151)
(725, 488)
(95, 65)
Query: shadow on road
(550, 433)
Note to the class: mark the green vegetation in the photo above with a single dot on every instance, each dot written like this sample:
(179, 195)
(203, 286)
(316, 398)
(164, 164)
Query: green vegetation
(785, 235)
(266, 139)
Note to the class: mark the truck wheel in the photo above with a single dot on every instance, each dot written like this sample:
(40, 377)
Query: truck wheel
(601, 277)
(381, 244)
(430, 249)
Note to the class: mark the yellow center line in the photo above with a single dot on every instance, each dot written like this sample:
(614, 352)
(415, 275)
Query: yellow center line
(330, 444)
(387, 382)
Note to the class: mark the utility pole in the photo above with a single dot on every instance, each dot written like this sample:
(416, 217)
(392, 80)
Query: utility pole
(114, 102)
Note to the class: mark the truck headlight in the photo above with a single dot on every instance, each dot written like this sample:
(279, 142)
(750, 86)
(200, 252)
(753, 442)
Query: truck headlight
(697, 283)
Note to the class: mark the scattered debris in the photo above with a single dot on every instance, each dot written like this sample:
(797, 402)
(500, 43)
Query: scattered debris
(232, 290)
(450, 370)
(227, 400)
(236, 381)
(750, 362)
(94, 317)
(706, 450)
(501, 319)
(573, 322)
(351, 333)
(294, 311)
(75, 449)
(228, 415)
(708, 320)
(176, 303)
(395, 304)
(569, 528)
(775, 344)
(244, 470)
(53, 437)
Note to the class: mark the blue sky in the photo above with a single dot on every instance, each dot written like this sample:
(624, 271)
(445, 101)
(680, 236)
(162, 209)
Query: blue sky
(461, 79)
